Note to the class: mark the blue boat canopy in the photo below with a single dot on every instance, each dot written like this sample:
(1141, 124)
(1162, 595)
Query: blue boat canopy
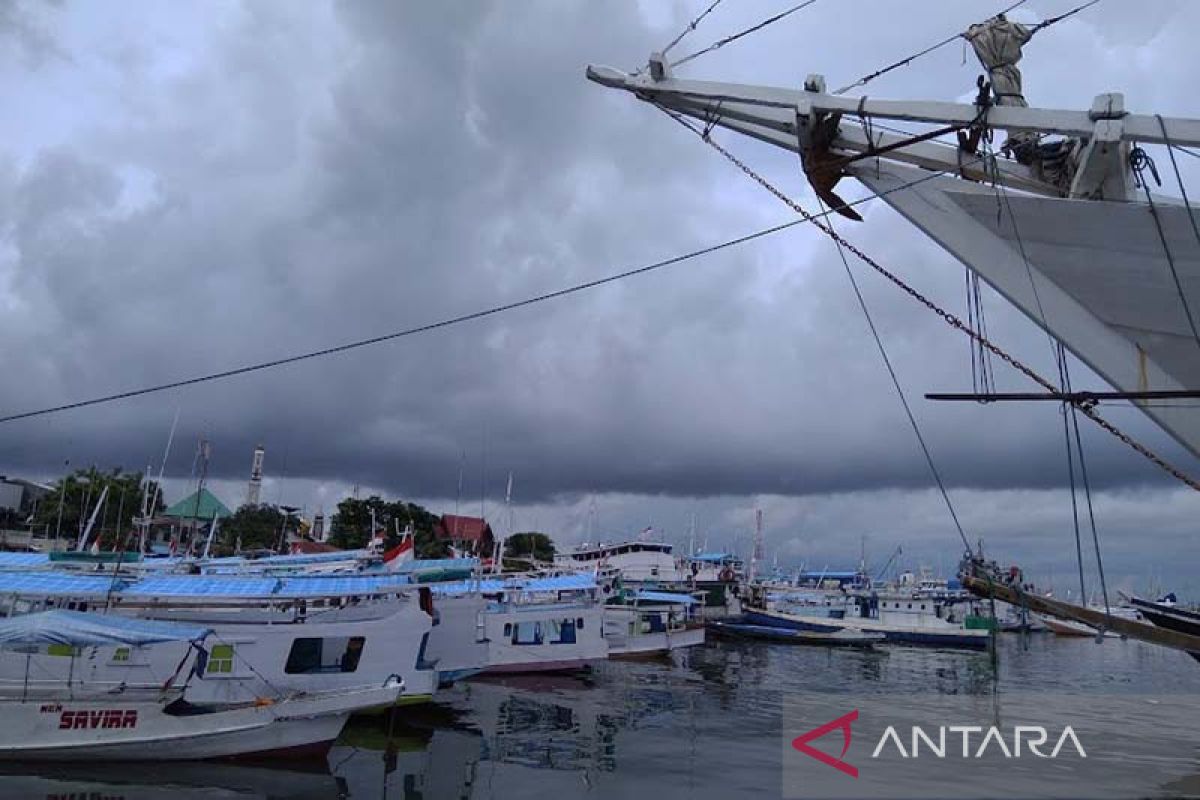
(80, 629)
(665, 597)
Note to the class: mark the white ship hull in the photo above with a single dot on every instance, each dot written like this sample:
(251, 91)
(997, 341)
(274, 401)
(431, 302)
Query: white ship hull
(116, 730)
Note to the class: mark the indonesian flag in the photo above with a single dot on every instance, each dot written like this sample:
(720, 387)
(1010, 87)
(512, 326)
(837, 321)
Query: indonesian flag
(399, 555)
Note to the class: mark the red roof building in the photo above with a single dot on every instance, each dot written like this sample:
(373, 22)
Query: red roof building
(471, 533)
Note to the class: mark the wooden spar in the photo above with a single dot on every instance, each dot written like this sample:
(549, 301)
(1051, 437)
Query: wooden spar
(1069, 397)
(1141, 631)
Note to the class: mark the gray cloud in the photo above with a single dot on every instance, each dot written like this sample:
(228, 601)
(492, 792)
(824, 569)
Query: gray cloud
(219, 190)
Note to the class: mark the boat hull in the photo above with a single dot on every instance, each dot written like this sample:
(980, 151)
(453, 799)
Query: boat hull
(113, 730)
(840, 638)
(952, 637)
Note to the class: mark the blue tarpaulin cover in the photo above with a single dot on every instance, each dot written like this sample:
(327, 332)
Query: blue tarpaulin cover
(80, 629)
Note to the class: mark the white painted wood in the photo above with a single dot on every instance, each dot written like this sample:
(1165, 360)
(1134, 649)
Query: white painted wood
(1136, 127)
(1099, 250)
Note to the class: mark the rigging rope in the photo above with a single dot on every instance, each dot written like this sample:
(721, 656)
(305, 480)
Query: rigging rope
(1140, 162)
(864, 80)
(690, 27)
(1071, 478)
(887, 362)
(451, 321)
(717, 45)
(1087, 486)
(1178, 178)
(1087, 410)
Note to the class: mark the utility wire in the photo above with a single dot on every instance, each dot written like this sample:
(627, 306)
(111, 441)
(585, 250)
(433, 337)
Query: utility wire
(717, 45)
(446, 323)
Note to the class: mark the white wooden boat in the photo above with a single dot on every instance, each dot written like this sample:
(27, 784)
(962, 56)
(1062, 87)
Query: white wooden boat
(546, 624)
(649, 623)
(80, 725)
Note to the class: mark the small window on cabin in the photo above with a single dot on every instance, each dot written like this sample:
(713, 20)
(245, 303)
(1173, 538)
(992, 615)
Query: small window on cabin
(579, 623)
(562, 632)
(121, 655)
(654, 571)
(220, 660)
(507, 629)
(527, 633)
(922, 606)
(61, 650)
(321, 655)
(910, 605)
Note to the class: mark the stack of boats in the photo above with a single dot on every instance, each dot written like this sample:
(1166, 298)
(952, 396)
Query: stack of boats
(102, 655)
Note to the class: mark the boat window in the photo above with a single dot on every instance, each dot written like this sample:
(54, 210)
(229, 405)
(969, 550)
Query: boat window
(527, 633)
(579, 623)
(62, 650)
(220, 660)
(507, 629)
(121, 655)
(910, 605)
(312, 655)
(562, 632)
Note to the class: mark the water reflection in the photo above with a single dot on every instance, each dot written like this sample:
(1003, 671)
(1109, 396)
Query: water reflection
(706, 724)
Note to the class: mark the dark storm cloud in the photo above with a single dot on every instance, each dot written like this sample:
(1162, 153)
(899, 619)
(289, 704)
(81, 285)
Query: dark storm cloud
(291, 177)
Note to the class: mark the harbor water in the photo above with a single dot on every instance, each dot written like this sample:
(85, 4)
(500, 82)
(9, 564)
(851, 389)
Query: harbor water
(708, 723)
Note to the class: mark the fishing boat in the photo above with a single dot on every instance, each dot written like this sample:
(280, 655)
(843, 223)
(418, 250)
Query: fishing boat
(636, 562)
(303, 634)
(649, 623)
(899, 620)
(527, 624)
(837, 637)
(1060, 219)
(80, 722)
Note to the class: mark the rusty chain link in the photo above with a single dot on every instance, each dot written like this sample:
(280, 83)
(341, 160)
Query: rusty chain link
(1088, 409)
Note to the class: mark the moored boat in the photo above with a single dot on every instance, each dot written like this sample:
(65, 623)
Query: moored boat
(79, 724)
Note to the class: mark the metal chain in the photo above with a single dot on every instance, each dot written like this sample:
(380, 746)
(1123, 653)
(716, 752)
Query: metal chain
(1087, 409)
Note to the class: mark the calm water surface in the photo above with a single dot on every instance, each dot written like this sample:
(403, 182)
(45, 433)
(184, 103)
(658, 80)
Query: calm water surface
(709, 723)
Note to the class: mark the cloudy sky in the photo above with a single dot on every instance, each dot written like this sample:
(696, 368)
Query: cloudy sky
(185, 188)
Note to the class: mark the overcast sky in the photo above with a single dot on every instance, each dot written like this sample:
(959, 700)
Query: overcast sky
(185, 188)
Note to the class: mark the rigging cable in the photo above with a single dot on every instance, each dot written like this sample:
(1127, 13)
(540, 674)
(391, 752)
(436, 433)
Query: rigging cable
(717, 45)
(887, 362)
(1178, 178)
(462, 318)
(690, 27)
(1087, 489)
(1140, 162)
(949, 318)
(864, 80)
(1074, 494)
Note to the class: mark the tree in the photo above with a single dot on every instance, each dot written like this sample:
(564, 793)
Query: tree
(529, 546)
(78, 493)
(256, 526)
(350, 527)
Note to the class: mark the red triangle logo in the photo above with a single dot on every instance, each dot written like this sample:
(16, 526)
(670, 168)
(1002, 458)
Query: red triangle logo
(842, 723)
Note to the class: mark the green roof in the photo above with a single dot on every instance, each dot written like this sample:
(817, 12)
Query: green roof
(209, 506)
